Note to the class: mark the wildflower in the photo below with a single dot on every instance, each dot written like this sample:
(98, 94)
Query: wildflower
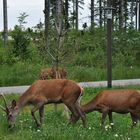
(38, 130)
(89, 128)
(131, 67)
(116, 135)
(111, 124)
(107, 127)
(21, 121)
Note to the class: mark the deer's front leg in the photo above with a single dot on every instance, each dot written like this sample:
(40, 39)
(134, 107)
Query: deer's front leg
(73, 119)
(41, 113)
(33, 114)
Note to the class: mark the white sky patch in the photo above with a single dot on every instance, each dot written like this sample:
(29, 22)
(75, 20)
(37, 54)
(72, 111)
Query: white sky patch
(34, 8)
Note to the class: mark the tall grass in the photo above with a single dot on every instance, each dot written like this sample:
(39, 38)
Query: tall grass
(79, 73)
(18, 74)
(55, 126)
(23, 73)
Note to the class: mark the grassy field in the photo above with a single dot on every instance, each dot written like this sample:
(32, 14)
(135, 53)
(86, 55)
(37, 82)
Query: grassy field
(56, 125)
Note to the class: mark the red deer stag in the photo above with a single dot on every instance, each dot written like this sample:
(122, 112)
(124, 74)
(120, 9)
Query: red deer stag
(43, 92)
(120, 101)
(54, 73)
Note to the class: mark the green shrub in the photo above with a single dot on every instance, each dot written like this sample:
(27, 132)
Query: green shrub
(6, 56)
(21, 42)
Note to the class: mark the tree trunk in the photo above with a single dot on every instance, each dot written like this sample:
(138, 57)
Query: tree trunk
(59, 25)
(125, 14)
(100, 15)
(92, 14)
(76, 15)
(120, 14)
(136, 12)
(104, 5)
(139, 17)
(66, 14)
(5, 19)
(47, 21)
(131, 14)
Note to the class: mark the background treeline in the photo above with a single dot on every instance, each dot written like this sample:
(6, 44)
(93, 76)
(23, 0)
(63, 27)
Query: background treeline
(82, 52)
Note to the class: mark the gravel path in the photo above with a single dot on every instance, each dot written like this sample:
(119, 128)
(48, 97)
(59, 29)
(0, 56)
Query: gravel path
(21, 89)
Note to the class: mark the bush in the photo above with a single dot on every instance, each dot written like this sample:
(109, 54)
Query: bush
(6, 57)
(21, 42)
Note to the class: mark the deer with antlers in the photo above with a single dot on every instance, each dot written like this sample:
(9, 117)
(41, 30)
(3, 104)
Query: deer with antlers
(54, 73)
(43, 92)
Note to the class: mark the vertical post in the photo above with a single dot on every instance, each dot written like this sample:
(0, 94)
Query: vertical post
(5, 23)
(109, 45)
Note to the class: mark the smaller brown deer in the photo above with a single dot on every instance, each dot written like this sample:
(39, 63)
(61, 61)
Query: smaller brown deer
(52, 73)
(43, 92)
(120, 101)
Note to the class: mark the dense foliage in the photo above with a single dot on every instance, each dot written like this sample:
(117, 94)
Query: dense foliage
(84, 55)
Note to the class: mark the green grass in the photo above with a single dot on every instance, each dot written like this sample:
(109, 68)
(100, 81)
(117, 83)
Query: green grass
(18, 74)
(24, 73)
(55, 126)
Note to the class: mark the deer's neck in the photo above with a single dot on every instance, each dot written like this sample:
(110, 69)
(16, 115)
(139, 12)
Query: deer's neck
(90, 106)
(23, 99)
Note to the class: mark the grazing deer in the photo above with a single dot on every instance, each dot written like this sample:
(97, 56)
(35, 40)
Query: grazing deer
(43, 92)
(54, 73)
(120, 101)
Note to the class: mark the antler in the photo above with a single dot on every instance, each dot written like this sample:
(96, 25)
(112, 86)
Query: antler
(6, 107)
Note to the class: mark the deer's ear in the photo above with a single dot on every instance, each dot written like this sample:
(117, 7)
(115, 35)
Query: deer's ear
(14, 103)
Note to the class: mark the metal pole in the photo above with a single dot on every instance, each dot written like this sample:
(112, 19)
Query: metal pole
(5, 36)
(109, 48)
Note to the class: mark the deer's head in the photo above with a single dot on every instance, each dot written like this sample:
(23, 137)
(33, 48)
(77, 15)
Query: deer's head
(10, 111)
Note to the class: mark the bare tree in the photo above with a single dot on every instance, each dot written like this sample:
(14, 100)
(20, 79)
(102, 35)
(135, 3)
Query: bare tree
(55, 49)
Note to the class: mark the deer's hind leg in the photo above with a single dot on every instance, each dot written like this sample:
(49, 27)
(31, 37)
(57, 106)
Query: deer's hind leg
(81, 113)
(72, 109)
(134, 120)
(105, 112)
